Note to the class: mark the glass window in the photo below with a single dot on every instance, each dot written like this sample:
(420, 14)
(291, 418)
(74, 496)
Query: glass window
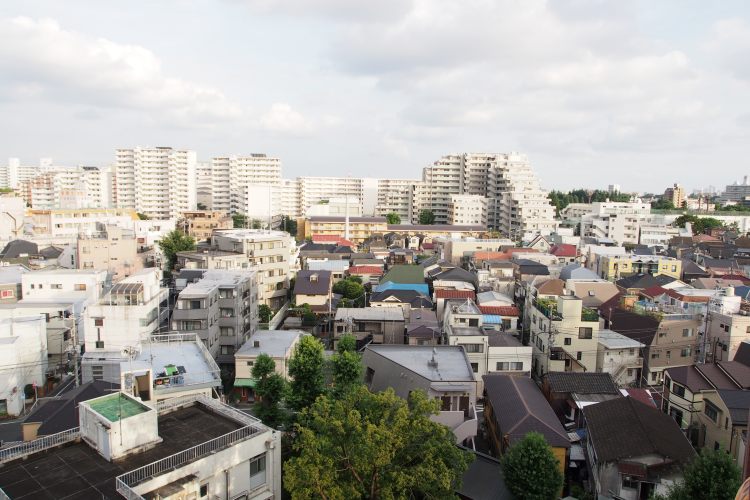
(585, 332)
(710, 410)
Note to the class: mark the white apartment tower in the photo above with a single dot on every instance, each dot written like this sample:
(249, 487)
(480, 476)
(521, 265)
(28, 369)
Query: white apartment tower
(159, 182)
(395, 196)
(314, 189)
(467, 210)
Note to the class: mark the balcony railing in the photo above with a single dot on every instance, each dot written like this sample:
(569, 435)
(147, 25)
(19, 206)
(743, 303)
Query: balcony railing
(37, 445)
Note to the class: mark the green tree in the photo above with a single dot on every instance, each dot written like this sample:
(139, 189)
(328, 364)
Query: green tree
(239, 221)
(531, 470)
(265, 313)
(366, 445)
(289, 225)
(306, 371)
(427, 217)
(346, 343)
(663, 204)
(271, 388)
(699, 224)
(352, 290)
(202, 206)
(143, 216)
(175, 241)
(393, 218)
(713, 475)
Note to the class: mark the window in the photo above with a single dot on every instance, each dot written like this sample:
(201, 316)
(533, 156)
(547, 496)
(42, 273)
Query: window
(257, 471)
(79, 287)
(678, 390)
(227, 350)
(100, 344)
(194, 304)
(579, 355)
(654, 355)
(509, 366)
(7, 294)
(98, 321)
(97, 372)
(250, 363)
(475, 367)
(669, 354)
(204, 490)
(686, 352)
(653, 376)
(710, 410)
(567, 341)
(226, 331)
(629, 482)
(630, 372)
(585, 332)
(32, 286)
(56, 286)
(473, 347)
(676, 414)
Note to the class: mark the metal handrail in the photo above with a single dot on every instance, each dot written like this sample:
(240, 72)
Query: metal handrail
(41, 444)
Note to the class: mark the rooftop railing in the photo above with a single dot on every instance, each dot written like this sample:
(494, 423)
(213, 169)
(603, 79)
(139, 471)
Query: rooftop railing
(37, 445)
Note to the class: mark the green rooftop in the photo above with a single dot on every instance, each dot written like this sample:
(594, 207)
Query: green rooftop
(405, 274)
(116, 406)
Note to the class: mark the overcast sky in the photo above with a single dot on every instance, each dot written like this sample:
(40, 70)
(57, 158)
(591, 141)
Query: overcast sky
(639, 93)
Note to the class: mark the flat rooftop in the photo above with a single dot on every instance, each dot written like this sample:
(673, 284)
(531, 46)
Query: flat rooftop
(78, 471)
(452, 363)
(115, 406)
(613, 340)
(370, 313)
(275, 343)
(189, 359)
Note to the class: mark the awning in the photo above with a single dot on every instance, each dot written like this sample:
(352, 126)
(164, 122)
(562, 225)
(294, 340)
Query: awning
(245, 382)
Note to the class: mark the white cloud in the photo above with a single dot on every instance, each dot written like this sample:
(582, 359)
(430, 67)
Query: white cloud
(73, 67)
(281, 118)
(729, 45)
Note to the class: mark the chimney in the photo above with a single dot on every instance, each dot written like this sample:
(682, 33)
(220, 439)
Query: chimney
(256, 343)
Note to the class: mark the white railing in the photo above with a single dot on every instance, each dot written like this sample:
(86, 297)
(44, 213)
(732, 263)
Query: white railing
(277, 319)
(37, 445)
(127, 481)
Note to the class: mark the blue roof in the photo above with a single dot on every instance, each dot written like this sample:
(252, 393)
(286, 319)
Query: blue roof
(742, 291)
(389, 285)
(492, 319)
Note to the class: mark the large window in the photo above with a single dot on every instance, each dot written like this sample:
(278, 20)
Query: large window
(505, 366)
(678, 390)
(473, 347)
(585, 332)
(257, 472)
(97, 372)
(711, 411)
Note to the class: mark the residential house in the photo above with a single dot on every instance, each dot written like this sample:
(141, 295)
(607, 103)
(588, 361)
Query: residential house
(368, 274)
(728, 324)
(634, 450)
(724, 421)
(381, 325)
(200, 224)
(404, 299)
(442, 372)
(613, 267)
(569, 392)
(314, 288)
(564, 334)
(278, 344)
(684, 388)
(404, 277)
(338, 268)
(514, 406)
(119, 438)
(565, 253)
(621, 357)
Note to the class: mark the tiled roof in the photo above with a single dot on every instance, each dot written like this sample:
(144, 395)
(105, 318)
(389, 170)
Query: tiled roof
(624, 427)
(582, 382)
(499, 310)
(564, 250)
(366, 270)
(442, 293)
(519, 407)
(312, 282)
(654, 291)
(687, 298)
(552, 287)
(405, 274)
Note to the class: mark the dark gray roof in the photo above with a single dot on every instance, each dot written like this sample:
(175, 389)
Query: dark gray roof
(51, 252)
(743, 353)
(317, 247)
(412, 297)
(484, 479)
(738, 402)
(14, 249)
(305, 283)
(720, 263)
(624, 427)
(519, 407)
(644, 281)
(582, 382)
(191, 274)
(690, 268)
(528, 266)
(457, 274)
(57, 415)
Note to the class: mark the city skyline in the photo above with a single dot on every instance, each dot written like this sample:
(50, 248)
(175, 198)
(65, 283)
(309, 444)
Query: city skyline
(585, 90)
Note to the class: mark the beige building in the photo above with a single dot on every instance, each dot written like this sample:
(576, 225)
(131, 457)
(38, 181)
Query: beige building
(676, 194)
(468, 210)
(360, 228)
(278, 344)
(201, 223)
(112, 248)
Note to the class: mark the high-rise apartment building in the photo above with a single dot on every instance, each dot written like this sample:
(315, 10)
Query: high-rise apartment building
(676, 194)
(516, 203)
(159, 182)
(467, 210)
(395, 196)
(315, 189)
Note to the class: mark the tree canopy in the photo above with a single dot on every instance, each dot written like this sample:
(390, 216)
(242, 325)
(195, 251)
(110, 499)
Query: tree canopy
(531, 469)
(352, 290)
(699, 224)
(713, 475)
(265, 313)
(561, 200)
(393, 218)
(271, 388)
(173, 242)
(306, 369)
(365, 445)
(289, 225)
(346, 365)
(427, 217)
(663, 204)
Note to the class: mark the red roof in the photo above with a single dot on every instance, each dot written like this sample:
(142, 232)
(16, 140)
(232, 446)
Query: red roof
(738, 277)
(686, 298)
(654, 291)
(490, 255)
(332, 238)
(366, 270)
(443, 293)
(703, 238)
(499, 310)
(642, 395)
(564, 250)
(428, 246)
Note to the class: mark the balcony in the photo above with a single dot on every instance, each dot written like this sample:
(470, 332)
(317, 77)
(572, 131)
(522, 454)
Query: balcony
(464, 424)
